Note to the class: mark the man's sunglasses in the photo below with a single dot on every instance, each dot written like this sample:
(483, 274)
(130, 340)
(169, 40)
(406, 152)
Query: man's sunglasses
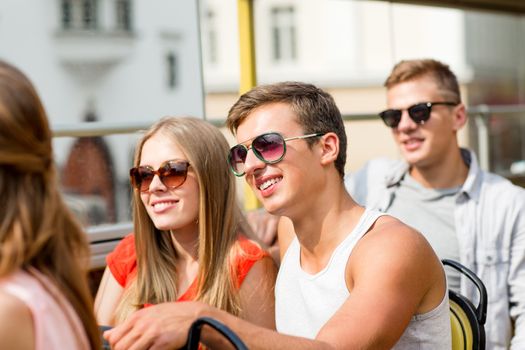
(172, 174)
(269, 148)
(419, 113)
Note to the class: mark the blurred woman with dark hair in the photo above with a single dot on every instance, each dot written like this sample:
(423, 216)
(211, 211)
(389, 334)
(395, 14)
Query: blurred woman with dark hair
(45, 301)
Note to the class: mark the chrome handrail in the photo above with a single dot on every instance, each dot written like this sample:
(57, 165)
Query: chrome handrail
(99, 128)
(104, 237)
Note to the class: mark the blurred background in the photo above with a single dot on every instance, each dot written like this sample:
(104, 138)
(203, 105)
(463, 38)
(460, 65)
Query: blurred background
(107, 69)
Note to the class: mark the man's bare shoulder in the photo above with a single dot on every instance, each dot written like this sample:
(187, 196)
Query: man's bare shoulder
(397, 259)
(389, 230)
(392, 244)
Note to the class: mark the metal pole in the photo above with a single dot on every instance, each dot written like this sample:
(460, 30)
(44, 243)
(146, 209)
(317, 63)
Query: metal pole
(246, 45)
(248, 71)
(481, 120)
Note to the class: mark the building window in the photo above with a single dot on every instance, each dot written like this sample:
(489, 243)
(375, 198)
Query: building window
(284, 42)
(123, 10)
(79, 14)
(211, 37)
(89, 14)
(67, 14)
(171, 65)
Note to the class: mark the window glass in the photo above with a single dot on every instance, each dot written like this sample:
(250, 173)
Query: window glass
(283, 33)
(349, 47)
(171, 64)
(100, 70)
(123, 8)
(94, 176)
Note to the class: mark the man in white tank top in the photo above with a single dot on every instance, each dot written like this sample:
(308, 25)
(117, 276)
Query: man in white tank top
(467, 214)
(351, 279)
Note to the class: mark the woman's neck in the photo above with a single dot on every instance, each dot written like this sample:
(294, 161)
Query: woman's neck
(186, 244)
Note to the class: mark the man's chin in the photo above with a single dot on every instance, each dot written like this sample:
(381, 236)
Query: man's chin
(413, 163)
(412, 157)
(272, 207)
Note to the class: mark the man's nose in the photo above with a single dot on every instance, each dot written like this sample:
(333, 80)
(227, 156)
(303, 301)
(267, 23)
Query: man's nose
(406, 123)
(252, 162)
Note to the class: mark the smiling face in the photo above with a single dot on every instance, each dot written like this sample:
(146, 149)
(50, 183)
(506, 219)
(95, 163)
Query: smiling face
(170, 209)
(425, 145)
(280, 184)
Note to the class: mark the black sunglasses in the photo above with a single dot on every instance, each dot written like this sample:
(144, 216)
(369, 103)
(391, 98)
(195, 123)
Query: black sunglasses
(419, 113)
(269, 148)
(172, 174)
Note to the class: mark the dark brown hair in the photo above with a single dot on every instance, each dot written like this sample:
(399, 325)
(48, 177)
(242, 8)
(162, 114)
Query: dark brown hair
(315, 109)
(36, 228)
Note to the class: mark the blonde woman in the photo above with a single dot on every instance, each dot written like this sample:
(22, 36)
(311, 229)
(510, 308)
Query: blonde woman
(44, 295)
(189, 241)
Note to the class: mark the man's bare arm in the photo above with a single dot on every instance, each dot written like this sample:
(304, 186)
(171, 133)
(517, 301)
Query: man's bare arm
(392, 275)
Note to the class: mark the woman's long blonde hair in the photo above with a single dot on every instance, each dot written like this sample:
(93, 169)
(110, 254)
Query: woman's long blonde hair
(220, 220)
(36, 228)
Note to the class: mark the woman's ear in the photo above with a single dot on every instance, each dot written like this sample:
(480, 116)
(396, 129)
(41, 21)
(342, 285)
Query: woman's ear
(329, 147)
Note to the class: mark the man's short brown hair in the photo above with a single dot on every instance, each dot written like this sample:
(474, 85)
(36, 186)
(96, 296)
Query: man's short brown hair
(445, 79)
(315, 109)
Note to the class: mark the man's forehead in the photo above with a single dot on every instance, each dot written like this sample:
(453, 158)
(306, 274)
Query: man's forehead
(269, 117)
(414, 91)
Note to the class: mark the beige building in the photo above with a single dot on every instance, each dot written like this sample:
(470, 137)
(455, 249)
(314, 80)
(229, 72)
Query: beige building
(348, 47)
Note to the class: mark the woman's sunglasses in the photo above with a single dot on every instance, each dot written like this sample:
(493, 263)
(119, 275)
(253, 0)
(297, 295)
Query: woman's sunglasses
(269, 148)
(172, 174)
(419, 113)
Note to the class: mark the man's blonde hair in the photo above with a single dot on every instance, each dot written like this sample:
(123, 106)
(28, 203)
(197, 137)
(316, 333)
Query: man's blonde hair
(445, 79)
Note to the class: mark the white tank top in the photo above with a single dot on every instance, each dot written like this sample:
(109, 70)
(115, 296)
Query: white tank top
(305, 302)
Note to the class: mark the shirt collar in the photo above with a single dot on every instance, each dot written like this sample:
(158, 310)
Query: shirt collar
(471, 187)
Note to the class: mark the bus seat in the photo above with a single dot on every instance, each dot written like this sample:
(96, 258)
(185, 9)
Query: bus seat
(467, 321)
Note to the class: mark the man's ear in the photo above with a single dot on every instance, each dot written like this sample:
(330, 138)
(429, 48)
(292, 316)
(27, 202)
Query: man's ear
(329, 147)
(460, 117)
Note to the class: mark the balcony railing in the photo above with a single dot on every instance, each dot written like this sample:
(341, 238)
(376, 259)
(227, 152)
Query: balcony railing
(494, 130)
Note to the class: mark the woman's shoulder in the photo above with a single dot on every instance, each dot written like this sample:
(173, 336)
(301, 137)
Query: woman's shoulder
(11, 305)
(122, 261)
(16, 323)
(128, 242)
(250, 249)
(124, 249)
(247, 254)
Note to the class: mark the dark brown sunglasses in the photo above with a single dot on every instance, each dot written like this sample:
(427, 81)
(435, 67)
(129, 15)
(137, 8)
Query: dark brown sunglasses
(172, 173)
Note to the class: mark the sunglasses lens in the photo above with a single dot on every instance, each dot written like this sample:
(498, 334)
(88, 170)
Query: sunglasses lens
(141, 177)
(236, 158)
(391, 117)
(269, 147)
(419, 113)
(173, 174)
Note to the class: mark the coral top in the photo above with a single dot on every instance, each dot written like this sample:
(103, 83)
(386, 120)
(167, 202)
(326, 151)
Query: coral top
(122, 263)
